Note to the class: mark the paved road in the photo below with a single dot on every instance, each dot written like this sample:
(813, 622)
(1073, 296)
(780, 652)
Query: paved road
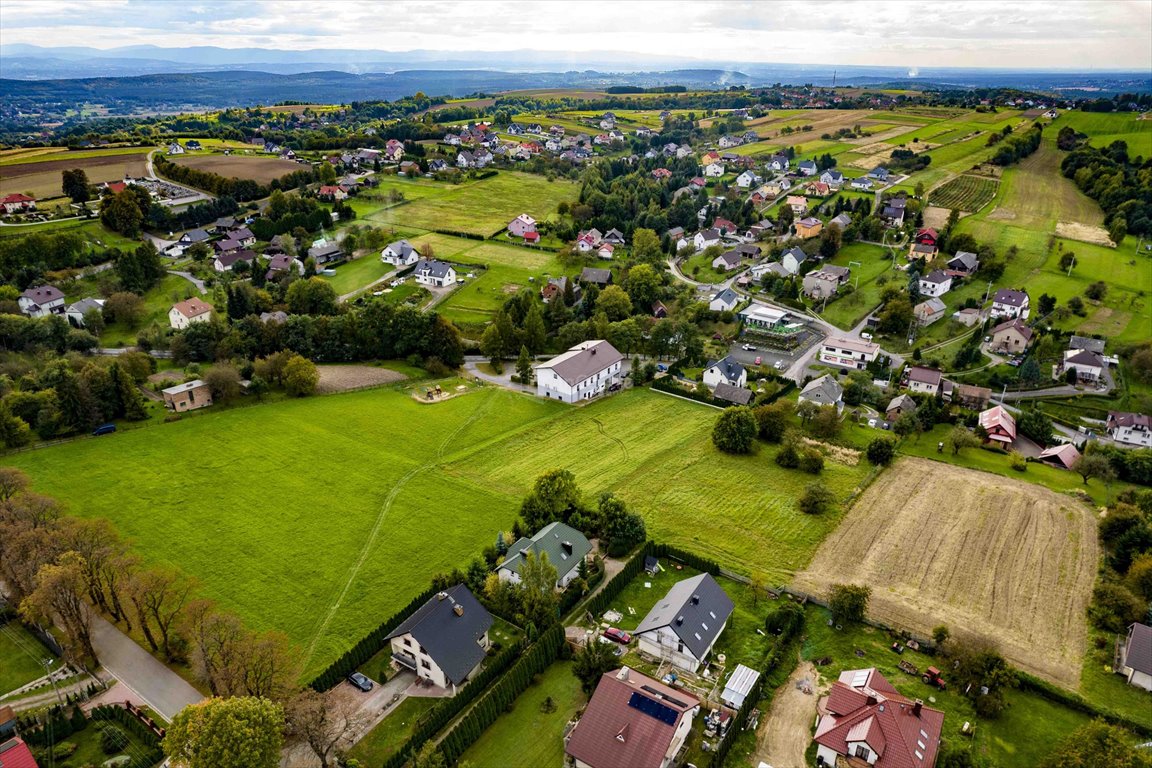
(190, 278)
(164, 690)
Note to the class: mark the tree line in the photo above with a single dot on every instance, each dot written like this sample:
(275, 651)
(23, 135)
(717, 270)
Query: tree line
(1121, 184)
(241, 190)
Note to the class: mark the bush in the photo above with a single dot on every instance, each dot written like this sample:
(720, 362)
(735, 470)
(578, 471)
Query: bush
(811, 461)
(788, 457)
(817, 498)
(112, 739)
(881, 451)
(735, 430)
(848, 602)
(1017, 462)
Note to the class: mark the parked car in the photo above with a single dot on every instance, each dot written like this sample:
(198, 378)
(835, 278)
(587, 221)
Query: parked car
(748, 348)
(617, 635)
(866, 336)
(360, 681)
(104, 429)
(615, 387)
(780, 365)
(758, 360)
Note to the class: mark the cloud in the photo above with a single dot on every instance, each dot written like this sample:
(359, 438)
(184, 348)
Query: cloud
(964, 33)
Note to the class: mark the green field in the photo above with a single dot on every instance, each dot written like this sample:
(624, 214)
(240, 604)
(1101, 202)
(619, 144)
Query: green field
(1103, 128)
(157, 302)
(965, 193)
(334, 535)
(20, 657)
(874, 261)
(526, 736)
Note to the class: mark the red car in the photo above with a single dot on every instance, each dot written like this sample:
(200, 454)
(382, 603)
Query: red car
(618, 636)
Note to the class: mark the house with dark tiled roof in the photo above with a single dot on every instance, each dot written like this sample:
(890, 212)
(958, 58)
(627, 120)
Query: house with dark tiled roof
(727, 371)
(963, 263)
(1136, 656)
(434, 272)
(731, 394)
(1008, 302)
(935, 283)
(593, 276)
(1130, 428)
(585, 371)
(564, 546)
(42, 301)
(445, 640)
(1089, 366)
(400, 253)
(865, 721)
(926, 381)
(1011, 336)
(632, 721)
(684, 625)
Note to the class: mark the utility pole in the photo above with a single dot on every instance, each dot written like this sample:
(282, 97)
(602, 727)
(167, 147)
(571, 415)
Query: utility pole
(1071, 264)
(48, 668)
(858, 264)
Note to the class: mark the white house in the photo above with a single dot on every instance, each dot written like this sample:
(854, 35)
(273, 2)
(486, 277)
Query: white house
(832, 178)
(433, 272)
(1089, 366)
(1136, 657)
(807, 168)
(184, 313)
(564, 546)
(823, 391)
(76, 311)
(706, 238)
(685, 623)
(583, 372)
(41, 301)
(792, 259)
(726, 371)
(724, 301)
(1130, 428)
(714, 170)
(925, 381)
(1008, 302)
(936, 283)
(778, 162)
(401, 253)
(445, 640)
(747, 179)
(848, 353)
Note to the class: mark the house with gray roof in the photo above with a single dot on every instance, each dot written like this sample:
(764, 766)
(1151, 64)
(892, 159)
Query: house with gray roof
(963, 263)
(434, 272)
(731, 394)
(593, 276)
(564, 546)
(400, 253)
(75, 312)
(445, 640)
(725, 301)
(726, 371)
(585, 371)
(823, 391)
(42, 301)
(1136, 656)
(792, 260)
(1087, 344)
(685, 624)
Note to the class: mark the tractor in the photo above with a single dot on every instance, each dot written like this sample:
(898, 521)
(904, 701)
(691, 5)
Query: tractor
(932, 677)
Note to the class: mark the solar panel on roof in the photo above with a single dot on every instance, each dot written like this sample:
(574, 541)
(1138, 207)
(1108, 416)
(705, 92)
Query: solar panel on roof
(860, 678)
(653, 708)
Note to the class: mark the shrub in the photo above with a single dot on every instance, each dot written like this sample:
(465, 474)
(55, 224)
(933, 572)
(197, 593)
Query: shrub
(735, 430)
(848, 602)
(817, 498)
(881, 451)
(112, 739)
(788, 457)
(1017, 462)
(811, 461)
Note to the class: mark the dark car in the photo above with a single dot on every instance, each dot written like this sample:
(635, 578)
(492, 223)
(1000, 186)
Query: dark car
(360, 681)
(104, 429)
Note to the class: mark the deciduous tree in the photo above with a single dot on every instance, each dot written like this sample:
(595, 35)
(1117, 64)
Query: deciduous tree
(242, 732)
(321, 724)
(735, 430)
(849, 602)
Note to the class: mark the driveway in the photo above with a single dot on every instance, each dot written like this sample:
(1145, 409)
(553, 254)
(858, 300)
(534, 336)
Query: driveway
(161, 688)
(189, 277)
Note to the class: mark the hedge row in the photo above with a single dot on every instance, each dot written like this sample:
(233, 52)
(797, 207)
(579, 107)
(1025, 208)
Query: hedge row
(496, 701)
(130, 722)
(666, 384)
(1074, 701)
(369, 646)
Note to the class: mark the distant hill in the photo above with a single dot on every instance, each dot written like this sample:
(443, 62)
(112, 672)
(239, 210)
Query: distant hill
(241, 88)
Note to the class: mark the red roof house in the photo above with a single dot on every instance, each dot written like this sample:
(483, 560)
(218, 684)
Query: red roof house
(632, 720)
(14, 753)
(865, 719)
(999, 424)
(17, 202)
(927, 236)
(531, 237)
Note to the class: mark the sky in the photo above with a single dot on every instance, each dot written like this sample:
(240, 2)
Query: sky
(1050, 34)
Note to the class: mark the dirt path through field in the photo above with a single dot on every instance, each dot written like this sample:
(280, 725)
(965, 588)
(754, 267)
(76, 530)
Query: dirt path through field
(984, 554)
(785, 734)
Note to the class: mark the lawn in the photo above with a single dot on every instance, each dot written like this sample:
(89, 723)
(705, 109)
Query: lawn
(1105, 127)
(527, 736)
(1029, 728)
(508, 269)
(157, 303)
(699, 267)
(358, 273)
(88, 750)
(485, 207)
(333, 537)
(20, 656)
(874, 261)
(393, 731)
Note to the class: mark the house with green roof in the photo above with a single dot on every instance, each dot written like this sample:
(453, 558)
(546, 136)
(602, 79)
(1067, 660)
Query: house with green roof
(565, 547)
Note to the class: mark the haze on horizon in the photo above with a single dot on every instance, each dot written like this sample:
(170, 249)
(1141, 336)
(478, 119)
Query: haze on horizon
(1012, 34)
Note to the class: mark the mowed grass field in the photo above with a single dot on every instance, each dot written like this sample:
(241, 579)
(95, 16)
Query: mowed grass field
(479, 207)
(320, 517)
(39, 175)
(20, 657)
(938, 544)
(260, 169)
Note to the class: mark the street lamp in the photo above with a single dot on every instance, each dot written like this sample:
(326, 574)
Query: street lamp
(48, 668)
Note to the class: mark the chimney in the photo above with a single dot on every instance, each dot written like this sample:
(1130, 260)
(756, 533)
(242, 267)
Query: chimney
(458, 609)
(917, 706)
(622, 674)
(695, 599)
(871, 701)
(679, 620)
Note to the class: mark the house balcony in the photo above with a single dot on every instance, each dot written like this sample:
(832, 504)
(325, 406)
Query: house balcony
(405, 660)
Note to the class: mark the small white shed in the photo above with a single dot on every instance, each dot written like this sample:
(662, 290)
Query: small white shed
(739, 685)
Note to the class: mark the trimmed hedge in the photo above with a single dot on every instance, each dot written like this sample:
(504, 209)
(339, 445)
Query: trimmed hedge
(1074, 701)
(497, 700)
